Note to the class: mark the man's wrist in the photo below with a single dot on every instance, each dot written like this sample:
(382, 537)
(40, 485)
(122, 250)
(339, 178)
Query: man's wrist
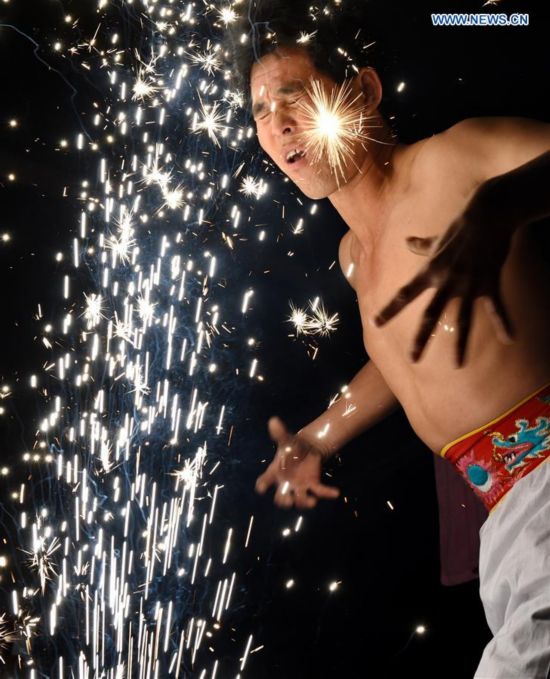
(317, 443)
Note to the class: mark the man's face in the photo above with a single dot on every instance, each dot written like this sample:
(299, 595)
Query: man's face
(278, 85)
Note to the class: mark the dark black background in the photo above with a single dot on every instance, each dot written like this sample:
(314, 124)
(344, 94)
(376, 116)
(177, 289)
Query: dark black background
(387, 561)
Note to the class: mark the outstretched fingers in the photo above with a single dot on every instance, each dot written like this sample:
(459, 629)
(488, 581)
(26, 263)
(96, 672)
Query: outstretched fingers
(429, 319)
(499, 316)
(266, 480)
(278, 431)
(284, 497)
(404, 296)
(304, 497)
(324, 492)
(464, 324)
(305, 501)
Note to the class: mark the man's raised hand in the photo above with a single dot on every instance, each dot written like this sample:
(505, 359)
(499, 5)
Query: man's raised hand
(295, 470)
(464, 263)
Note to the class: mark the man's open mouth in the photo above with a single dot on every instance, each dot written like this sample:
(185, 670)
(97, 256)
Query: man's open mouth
(294, 155)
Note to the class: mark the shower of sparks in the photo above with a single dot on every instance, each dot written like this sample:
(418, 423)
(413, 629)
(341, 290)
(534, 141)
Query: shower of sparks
(128, 567)
(334, 123)
(315, 322)
(125, 568)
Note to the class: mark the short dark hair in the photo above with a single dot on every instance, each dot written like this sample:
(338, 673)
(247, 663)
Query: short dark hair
(331, 33)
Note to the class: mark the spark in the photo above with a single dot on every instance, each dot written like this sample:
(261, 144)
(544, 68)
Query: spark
(144, 86)
(25, 626)
(92, 313)
(209, 60)
(105, 456)
(321, 323)
(135, 373)
(234, 98)
(188, 474)
(123, 330)
(155, 175)
(210, 122)
(120, 247)
(304, 37)
(122, 244)
(173, 198)
(251, 186)
(318, 322)
(146, 310)
(7, 634)
(299, 318)
(227, 15)
(350, 408)
(41, 560)
(334, 124)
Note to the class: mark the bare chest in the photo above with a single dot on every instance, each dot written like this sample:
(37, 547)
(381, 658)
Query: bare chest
(441, 402)
(387, 264)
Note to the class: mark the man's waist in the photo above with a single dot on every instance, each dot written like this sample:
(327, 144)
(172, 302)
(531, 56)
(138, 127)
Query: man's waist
(493, 457)
(455, 408)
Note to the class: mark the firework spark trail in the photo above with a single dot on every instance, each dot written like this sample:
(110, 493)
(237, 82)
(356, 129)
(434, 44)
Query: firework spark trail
(122, 535)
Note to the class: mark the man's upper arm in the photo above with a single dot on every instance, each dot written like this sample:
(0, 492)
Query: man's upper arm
(345, 258)
(500, 144)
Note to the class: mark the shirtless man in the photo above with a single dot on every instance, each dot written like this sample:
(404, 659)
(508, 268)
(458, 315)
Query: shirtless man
(453, 299)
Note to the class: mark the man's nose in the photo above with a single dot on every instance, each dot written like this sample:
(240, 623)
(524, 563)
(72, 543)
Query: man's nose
(282, 121)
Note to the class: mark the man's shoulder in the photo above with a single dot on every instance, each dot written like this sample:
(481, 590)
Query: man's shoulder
(463, 135)
(492, 141)
(472, 130)
(448, 150)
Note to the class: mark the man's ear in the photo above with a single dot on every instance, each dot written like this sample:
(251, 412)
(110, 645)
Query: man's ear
(371, 87)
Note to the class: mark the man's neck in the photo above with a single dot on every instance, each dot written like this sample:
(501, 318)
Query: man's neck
(361, 201)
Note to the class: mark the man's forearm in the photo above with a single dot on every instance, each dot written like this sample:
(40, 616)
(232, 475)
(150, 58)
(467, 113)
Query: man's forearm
(367, 400)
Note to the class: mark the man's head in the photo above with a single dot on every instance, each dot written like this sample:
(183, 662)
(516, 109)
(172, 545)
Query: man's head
(280, 89)
(288, 46)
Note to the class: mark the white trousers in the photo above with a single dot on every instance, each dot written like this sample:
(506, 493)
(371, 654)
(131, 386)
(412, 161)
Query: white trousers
(514, 574)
